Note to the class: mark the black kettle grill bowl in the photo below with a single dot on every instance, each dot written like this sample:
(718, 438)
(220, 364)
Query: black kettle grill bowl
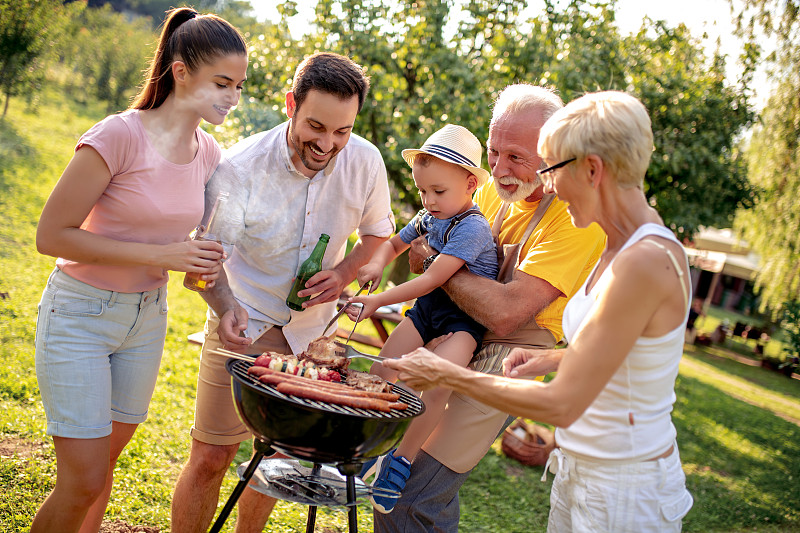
(317, 431)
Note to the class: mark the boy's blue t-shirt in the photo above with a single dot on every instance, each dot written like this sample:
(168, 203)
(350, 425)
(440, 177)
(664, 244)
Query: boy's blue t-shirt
(470, 240)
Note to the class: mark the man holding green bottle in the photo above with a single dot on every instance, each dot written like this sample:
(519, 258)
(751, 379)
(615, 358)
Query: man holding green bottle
(308, 269)
(289, 185)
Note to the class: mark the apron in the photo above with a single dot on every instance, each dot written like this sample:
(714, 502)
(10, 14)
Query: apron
(468, 427)
(529, 335)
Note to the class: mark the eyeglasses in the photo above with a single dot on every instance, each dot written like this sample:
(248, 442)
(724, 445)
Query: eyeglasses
(545, 171)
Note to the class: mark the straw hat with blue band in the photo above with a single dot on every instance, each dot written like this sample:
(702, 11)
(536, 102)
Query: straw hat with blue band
(454, 144)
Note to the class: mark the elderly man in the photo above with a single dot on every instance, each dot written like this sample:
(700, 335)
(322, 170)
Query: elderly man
(546, 259)
(288, 185)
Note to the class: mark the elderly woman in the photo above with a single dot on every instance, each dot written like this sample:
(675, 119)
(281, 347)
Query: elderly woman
(617, 466)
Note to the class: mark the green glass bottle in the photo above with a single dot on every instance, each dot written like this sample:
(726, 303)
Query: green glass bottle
(310, 266)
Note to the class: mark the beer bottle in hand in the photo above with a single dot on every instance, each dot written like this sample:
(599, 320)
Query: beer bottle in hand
(209, 232)
(310, 266)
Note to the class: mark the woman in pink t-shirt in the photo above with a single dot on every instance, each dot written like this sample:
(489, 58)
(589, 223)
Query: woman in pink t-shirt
(117, 221)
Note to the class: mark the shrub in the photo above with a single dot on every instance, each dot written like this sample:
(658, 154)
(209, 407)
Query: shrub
(790, 324)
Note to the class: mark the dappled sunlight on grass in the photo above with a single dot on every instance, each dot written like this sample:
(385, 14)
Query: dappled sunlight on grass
(743, 389)
(735, 442)
(739, 458)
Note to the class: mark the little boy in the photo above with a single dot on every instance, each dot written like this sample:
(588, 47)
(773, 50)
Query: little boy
(446, 171)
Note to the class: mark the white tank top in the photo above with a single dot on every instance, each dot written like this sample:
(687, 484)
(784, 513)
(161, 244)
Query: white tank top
(630, 420)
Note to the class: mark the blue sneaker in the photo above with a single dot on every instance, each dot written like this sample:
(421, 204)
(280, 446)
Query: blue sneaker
(391, 477)
(368, 468)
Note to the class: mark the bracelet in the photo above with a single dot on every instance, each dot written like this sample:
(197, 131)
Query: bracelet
(428, 261)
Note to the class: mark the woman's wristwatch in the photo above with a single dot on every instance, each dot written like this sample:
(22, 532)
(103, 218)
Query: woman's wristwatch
(428, 261)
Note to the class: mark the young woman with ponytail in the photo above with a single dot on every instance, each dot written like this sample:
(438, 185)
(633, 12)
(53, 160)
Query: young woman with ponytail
(117, 221)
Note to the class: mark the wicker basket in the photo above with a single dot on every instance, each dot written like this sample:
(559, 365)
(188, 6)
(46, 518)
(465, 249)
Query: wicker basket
(527, 442)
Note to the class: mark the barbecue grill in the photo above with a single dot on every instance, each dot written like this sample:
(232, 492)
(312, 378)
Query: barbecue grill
(314, 431)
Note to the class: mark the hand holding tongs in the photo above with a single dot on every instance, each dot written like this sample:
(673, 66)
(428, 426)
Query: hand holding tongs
(344, 308)
(349, 351)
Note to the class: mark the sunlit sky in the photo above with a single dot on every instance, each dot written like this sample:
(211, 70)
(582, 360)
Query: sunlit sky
(712, 17)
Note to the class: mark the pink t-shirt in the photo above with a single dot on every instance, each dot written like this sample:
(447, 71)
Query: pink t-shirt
(148, 200)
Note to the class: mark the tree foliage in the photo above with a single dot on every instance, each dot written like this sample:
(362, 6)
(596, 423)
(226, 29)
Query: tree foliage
(790, 323)
(24, 44)
(428, 69)
(155, 10)
(697, 176)
(433, 62)
(105, 54)
(772, 226)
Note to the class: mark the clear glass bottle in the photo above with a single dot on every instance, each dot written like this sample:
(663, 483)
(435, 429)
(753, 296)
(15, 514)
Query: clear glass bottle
(307, 269)
(209, 232)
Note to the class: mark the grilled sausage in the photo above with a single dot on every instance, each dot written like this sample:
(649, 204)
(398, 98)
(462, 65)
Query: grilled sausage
(318, 394)
(273, 377)
(257, 370)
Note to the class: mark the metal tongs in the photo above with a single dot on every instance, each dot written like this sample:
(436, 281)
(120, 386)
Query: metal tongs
(344, 308)
(349, 351)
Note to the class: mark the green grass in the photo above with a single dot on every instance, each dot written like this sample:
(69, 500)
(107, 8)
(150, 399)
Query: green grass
(737, 424)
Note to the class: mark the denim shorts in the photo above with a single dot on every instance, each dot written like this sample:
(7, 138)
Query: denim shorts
(97, 355)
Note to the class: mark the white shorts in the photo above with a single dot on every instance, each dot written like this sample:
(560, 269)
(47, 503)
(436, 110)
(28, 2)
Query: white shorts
(593, 496)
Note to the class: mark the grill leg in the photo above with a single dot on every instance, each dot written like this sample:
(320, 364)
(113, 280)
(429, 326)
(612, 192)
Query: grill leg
(312, 518)
(312, 509)
(352, 513)
(237, 491)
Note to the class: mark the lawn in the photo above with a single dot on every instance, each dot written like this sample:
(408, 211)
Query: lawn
(737, 424)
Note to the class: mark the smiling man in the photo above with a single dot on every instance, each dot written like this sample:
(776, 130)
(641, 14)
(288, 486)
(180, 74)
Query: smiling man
(287, 186)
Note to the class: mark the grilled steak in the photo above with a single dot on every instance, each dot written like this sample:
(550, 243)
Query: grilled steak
(323, 351)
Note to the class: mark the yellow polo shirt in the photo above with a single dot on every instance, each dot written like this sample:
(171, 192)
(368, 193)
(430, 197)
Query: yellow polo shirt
(556, 252)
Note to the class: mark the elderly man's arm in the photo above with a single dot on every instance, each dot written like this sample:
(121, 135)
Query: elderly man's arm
(502, 308)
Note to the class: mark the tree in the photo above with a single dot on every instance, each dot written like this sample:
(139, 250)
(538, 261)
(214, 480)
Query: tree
(23, 42)
(108, 52)
(772, 226)
(428, 69)
(154, 9)
(273, 56)
(697, 176)
(790, 323)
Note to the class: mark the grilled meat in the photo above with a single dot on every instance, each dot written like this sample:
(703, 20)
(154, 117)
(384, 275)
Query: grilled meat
(367, 382)
(323, 351)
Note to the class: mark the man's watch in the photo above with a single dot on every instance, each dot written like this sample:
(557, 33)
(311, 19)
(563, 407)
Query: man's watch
(428, 261)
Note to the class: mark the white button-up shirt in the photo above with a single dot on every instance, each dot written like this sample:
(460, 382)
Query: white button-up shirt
(275, 216)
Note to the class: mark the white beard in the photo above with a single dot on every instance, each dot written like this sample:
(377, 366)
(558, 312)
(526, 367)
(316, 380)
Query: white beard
(524, 188)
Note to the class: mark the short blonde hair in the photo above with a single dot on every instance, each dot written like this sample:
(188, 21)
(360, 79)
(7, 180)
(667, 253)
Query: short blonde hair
(610, 124)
